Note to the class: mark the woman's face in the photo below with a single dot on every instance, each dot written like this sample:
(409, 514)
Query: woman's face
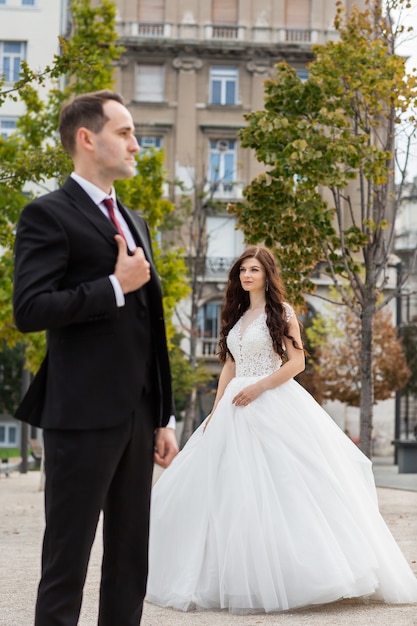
(252, 275)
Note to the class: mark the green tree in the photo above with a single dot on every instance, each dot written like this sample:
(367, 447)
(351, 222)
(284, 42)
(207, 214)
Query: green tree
(34, 155)
(185, 378)
(329, 145)
(143, 193)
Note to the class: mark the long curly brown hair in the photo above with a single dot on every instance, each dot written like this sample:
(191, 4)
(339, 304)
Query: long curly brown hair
(237, 301)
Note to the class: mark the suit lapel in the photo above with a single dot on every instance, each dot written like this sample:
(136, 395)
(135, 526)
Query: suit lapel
(83, 203)
(141, 234)
(137, 228)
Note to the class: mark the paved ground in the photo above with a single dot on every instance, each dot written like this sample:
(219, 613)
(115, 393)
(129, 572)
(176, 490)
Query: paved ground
(21, 527)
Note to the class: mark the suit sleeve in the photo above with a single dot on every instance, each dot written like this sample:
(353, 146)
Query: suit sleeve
(43, 297)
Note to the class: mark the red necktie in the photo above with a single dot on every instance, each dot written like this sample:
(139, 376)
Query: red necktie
(110, 207)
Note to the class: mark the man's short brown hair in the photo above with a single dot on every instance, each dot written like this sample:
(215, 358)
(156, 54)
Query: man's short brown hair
(84, 110)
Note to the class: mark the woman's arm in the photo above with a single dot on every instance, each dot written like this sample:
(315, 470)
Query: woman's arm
(228, 372)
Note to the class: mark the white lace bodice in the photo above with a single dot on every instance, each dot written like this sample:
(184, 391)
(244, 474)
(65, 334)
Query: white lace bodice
(253, 352)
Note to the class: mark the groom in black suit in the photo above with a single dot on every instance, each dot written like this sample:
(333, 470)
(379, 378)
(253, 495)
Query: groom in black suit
(84, 272)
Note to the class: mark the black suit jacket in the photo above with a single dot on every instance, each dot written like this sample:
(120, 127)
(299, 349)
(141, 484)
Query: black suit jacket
(100, 356)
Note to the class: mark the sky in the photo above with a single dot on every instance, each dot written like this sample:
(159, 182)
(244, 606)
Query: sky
(409, 49)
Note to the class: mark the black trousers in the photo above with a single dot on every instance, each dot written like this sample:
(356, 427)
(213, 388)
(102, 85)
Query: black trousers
(87, 472)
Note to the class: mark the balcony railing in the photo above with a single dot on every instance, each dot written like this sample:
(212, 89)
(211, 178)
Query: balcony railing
(223, 190)
(298, 35)
(144, 30)
(219, 264)
(218, 32)
(150, 30)
(224, 32)
(207, 347)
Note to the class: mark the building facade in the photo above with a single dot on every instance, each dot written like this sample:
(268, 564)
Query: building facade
(29, 31)
(191, 71)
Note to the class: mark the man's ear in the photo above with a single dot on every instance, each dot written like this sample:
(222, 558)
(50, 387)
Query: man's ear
(84, 138)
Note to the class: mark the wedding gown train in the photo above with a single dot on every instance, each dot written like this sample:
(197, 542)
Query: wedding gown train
(272, 507)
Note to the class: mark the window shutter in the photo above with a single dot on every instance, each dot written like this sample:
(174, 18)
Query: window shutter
(150, 81)
(151, 10)
(224, 12)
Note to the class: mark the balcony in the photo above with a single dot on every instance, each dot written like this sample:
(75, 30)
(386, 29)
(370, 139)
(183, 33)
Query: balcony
(207, 348)
(219, 266)
(224, 191)
(151, 30)
(172, 33)
(224, 32)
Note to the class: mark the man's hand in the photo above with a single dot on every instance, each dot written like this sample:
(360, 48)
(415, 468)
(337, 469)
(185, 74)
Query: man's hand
(132, 271)
(166, 446)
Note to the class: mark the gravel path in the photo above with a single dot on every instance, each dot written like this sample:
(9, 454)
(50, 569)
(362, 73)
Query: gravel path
(21, 528)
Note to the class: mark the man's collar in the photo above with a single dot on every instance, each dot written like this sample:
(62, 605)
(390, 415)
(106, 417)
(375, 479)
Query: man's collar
(96, 194)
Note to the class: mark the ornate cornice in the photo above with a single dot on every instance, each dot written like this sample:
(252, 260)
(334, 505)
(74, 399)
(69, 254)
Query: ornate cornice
(259, 66)
(230, 51)
(187, 64)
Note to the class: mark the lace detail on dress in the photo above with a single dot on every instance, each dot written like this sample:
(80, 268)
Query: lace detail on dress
(253, 352)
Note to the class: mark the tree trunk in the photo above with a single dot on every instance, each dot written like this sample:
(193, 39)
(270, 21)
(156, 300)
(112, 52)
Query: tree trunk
(189, 418)
(367, 384)
(25, 429)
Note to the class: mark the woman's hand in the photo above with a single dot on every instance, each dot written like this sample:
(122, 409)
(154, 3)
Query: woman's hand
(247, 395)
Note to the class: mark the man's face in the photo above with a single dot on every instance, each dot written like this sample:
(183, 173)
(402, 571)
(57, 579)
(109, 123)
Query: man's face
(115, 145)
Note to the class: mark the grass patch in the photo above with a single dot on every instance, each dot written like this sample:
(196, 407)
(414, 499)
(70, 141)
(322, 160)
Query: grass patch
(9, 453)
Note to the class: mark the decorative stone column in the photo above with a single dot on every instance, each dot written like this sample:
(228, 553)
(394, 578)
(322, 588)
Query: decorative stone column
(186, 117)
(260, 70)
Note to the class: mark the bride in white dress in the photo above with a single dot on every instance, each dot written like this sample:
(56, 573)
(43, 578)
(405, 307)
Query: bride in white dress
(269, 506)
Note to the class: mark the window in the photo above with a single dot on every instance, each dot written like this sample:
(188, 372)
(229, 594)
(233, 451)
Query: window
(7, 126)
(150, 83)
(225, 243)
(298, 14)
(222, 164)
(2, 2)
(224, 12)
(8, 435)
(151, 10)
(224, 85)
(11, 55)
(303, 74)
(28, 3)
(149, 141)
(12, 435)
(208, 322)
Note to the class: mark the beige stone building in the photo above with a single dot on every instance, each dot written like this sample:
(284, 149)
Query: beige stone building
(191, 71)
(193, 68)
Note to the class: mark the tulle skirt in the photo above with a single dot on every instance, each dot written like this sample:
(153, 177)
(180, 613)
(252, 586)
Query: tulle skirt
(271, 508)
